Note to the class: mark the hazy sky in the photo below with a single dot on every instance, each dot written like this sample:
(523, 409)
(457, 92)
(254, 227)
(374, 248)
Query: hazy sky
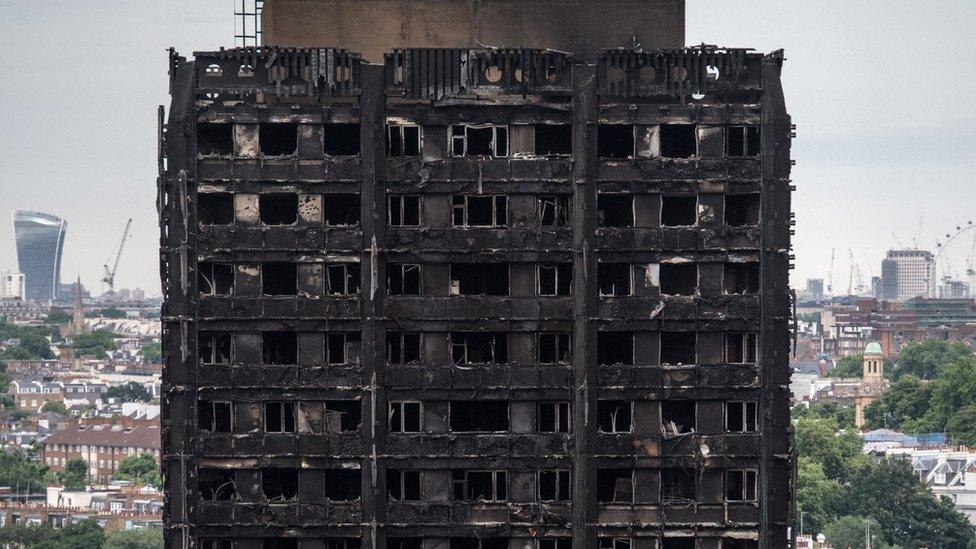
(879, 91)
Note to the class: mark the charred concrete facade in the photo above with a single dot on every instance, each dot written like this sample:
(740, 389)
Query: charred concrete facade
(476, 299)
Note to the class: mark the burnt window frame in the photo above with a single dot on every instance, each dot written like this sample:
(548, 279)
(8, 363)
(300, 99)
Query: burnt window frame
(346, 338)
(349, 280)
(601, 222)
(665, 208)
(615, 543)
(561, 205)
(214, 198)
(218, 494)
(453, 138)
(499, 210)
(480, 278)
(747, 413)
(465, 361)
(562, 127)
(558, 497)
(614, 472)
(633, 142)
(748, 489)
(205, 267)
(327, 197)
(401, 336)
(562, 415)
(402, 405)
(499, 478)
(273, 196)
(615, 429)
(567, 289)
(562, 343)
(292, 285)
(554, 542)
(400, 200)
(215, 152)
(202, 405)
(749, 345)
(400, 128)
(275, 127)
(630, 283)
(216, 543)
(213, 347)
(479, 428)
(283, 414)
(747, 289)
(750, 148)
(694, 139)
(400, 481)
(403, 268)
(277, 363)
(328, 142)
(671, 290)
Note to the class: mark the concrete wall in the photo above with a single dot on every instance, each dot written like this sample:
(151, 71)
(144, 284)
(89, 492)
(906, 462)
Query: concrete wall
(373, 27)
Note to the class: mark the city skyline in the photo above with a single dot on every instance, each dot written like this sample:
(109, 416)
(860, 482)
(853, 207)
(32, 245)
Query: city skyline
(860, 148)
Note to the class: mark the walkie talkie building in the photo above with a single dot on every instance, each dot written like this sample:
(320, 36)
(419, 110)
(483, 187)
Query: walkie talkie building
(40, 239)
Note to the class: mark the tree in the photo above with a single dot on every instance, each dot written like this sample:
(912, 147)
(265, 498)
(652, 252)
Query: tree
(33, 346)
(926, 359)
(129, 391)
(137, 538)
(953, 390)
(58, 316)
(848, 366)
(907, 399)
(22, 473)
(27, 535)
(94, 343)
(109, 312)
(86, 534)
(820, 441)
(75, 474)
(848, 531)
(844, 415)
(818, 498)
(152, 353)
(961, 427)
(139, 469)
(56, 407)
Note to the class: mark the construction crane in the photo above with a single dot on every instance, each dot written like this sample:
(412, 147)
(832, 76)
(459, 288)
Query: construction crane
(855, 276)
(830, 274)
(109, 277)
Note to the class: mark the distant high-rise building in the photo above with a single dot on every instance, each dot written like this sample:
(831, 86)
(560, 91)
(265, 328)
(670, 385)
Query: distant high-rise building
(906, 274)
(815, 288)
(138, 294)
(954, 289)
(13, 285)
(40, 239)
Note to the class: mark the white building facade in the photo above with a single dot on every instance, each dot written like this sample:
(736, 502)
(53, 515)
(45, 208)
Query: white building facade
(12, 286)
(906, 274)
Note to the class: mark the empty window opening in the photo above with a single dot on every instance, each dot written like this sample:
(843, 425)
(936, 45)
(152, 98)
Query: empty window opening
(741, 278)
(614, 348)
(278, 139)
(279, 347)
(479, 416)
(730, 543)
(679, 211)
(404, 211)
(478, 543)
(215, 278)
(614, 279)
(479, 279)
(740, 485)
(553, 139)
(558, 543)
(678, 141)
(342, 279)
(217, 485)
(343, 416)
(342, 347)
(402, 485)
(615, 141)
(279, 279)
(614, 543)
(479, 348)
(279, 417)
(614, 416)
(215, 417)
(215, 139)
(341, 210)
(679, 278)
(215, 208)
(404, 543)
(554, 485)
(742, 141)
(402, 140)
(555, 347)
(217, 544)
(677, 485)
(402, 348)
(279, 543)
(279, 484)
(343, 543)
(343, 484)
(480, 211)
(554, 210)
(678, 417)
(741, 417)
(479, 485)
(404, 417)
(615, 485)
(403, 279)
(741, 348)
(741, 209)
(555, 279)
(215, 348)
(678, 348)
(615, 210)
(341, 139)
(484, 140)
(278, 208)
(554, 417)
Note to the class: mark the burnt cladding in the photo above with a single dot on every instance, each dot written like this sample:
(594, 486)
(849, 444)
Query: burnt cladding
(476, 298)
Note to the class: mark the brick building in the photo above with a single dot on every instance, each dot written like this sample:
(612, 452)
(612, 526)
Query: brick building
(101, 444)
(476, 298)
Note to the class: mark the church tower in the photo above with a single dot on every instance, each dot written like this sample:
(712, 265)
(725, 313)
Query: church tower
(78, 319)
(873, 382)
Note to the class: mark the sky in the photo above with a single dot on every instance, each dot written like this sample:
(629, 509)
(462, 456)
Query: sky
(879, 91)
